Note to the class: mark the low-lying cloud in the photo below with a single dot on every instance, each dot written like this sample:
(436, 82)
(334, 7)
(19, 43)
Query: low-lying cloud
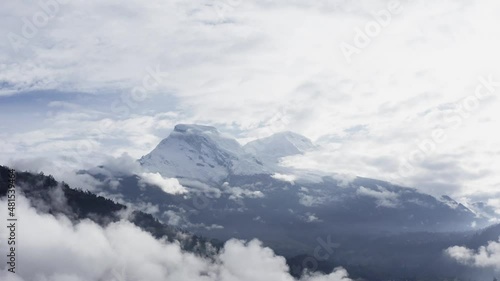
(168, 185)
(384, 197)
(485, 256)
(53, 248)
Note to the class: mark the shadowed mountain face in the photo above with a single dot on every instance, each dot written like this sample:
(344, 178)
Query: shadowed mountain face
(269, 209)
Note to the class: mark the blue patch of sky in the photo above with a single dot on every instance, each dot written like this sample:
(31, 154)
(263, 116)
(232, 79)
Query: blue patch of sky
(27, 110)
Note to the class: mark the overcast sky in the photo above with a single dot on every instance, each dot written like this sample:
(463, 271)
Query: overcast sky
(403, 91)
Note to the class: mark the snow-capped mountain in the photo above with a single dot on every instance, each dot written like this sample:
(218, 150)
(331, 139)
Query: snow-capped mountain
(201, 153)
(245, 194)
(251, 174)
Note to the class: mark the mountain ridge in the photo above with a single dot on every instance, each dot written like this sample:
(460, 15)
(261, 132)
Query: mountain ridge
(202, 153)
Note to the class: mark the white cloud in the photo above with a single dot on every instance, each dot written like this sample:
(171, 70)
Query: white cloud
(174, 218)
(385, 198)
(310, 217)
(309, 200)
(236, 192)
(485, 256)
(495, 203)
(54, 249)
(168, 185)
(146, 207)
(60, 168)
(122, 165)
(284, 177)
(261, 68)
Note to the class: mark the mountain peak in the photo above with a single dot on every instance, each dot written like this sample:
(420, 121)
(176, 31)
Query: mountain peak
(195, 129)
(199, 152)
(279, 145)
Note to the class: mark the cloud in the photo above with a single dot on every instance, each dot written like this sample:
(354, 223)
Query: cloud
(60, 168)
(53, 248)
(236, 192)
(284, 177)
(485, 256)
(174, 218)
(168, 185)
(121, 165)
(495, 203)
(181, 219)
(275, 66)
(385, 198)
(310, 217)
(310, 200)
(146, 207)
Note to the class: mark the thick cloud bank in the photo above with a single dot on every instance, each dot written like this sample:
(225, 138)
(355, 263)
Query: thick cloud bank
(485, 256)
(51, 248)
